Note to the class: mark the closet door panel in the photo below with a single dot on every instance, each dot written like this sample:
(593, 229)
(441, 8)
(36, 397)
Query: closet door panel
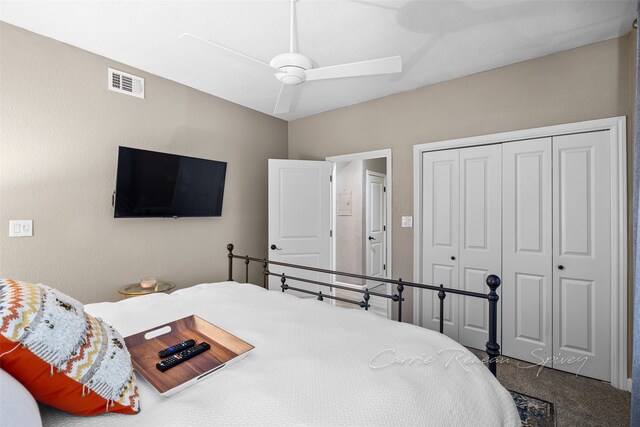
(527, 250)
(475, 316)
(440, 226)
(577, 323)
(582, 254)
(530, 323)
(443, 275)
(480, 237)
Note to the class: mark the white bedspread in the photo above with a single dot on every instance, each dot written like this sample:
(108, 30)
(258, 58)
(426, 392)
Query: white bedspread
(313, 364)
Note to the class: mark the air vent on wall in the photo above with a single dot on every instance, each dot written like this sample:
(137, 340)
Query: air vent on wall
(126, 83)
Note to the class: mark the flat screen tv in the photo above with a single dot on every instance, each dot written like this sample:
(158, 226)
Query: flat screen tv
(152, 184)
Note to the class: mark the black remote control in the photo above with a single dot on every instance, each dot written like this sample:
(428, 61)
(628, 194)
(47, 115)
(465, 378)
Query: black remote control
(176, 348)
(184, 355)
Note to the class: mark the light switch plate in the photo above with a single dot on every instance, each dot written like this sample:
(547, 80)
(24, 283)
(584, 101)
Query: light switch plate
(21, 228)
(407, 221)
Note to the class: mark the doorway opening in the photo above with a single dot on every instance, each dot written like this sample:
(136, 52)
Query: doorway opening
(361, 194)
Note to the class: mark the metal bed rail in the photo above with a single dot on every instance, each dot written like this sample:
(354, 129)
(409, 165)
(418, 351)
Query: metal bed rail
(493, 282)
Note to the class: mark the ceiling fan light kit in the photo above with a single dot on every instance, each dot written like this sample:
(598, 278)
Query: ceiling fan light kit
(293, 69)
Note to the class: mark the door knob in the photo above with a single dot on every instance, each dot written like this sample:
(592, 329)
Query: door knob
(453, 258)
(371, 238)
(561, 267)
(275, 248)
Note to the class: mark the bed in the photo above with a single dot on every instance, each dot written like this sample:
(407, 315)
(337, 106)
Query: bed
(313, 364)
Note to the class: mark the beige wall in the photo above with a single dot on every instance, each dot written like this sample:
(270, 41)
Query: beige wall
(586, 83)
(59, 135)
(375, 165)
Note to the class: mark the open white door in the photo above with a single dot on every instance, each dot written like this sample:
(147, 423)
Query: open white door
(300, 219)
(375, 227)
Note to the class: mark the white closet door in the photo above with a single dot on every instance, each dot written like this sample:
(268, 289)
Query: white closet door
(582, 254)
(527, 277)
(480, 238)
(440, 183)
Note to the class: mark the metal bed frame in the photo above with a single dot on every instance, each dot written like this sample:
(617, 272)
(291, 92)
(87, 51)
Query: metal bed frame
(493, 281)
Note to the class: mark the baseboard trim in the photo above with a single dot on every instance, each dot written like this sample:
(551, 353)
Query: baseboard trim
(349, 285)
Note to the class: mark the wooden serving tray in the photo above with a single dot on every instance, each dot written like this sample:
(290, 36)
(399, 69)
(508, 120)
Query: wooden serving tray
(144, 347)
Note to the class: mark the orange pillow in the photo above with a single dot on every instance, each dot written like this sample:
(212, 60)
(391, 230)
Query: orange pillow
(65, 357)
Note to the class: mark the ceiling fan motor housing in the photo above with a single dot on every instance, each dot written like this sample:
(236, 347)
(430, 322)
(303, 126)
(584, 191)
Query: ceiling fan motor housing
(292, 67)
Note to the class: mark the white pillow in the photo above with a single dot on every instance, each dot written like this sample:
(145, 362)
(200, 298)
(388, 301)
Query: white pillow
(17, 407)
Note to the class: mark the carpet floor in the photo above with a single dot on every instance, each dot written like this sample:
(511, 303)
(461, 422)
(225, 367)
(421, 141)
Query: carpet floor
(578, 401)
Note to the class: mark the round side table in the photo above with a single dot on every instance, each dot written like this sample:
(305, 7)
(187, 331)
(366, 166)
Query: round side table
(135, 290)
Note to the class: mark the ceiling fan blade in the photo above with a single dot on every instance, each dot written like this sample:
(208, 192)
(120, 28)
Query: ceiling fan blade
(239, 55)
(392, 64)
(284, 99)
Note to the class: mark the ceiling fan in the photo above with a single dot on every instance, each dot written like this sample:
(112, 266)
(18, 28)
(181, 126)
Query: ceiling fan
(293, 68)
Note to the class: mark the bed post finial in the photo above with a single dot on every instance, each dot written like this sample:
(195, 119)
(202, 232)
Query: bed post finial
(230, 255)
(493, 348)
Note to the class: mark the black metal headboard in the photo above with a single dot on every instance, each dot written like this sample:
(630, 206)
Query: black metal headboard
(493, 281)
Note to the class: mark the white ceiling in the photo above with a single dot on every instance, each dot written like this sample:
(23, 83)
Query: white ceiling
(437, 40)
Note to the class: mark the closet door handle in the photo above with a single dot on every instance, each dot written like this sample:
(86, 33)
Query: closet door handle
(561, 267)
(372, 238)
(275, 248)
(453, 258)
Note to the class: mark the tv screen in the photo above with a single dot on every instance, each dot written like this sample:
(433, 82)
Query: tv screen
(152, 184)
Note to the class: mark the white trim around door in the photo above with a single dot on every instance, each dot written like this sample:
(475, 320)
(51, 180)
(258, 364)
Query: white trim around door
(619, 240)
